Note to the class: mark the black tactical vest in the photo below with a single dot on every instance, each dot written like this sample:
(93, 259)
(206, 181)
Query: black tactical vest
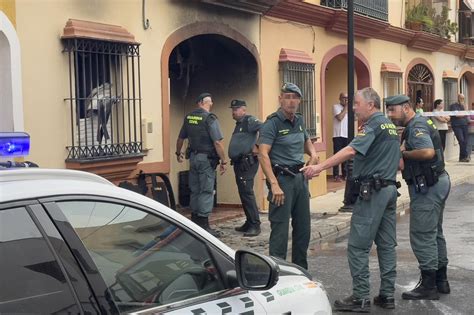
(197, 128)
(437, 162)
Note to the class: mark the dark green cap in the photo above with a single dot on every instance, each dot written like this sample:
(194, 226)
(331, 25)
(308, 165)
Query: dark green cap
(396, 100)
(237, 103)
(291, 88)
(202, 96)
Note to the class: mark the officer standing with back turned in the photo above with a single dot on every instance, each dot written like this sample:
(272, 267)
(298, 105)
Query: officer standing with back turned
(428, 186)
(244, 158)
(282, 143)
(205, 151)
(376, 154)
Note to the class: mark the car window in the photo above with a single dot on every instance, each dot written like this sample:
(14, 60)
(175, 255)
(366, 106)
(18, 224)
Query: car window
(31, 280)
(144, 260)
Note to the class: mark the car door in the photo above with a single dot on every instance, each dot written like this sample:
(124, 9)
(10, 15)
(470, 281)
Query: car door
(37, 271)
(148, 262)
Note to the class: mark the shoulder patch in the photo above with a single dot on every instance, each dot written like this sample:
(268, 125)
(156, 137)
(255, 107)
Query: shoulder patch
(418, 132)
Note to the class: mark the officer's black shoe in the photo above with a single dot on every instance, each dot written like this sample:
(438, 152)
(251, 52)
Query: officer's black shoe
(387, 302)
(346, 208)
(253, 230)
(352, 304)
(425, 289)
(204, 223)
(442, 281)
(243, 228)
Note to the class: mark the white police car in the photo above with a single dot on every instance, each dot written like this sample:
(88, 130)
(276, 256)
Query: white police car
(73, 242)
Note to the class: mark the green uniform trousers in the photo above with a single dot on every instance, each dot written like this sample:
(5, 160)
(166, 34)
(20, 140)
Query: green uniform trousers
(373, 220)
(201, 182)
(296, 206)
(426, 224)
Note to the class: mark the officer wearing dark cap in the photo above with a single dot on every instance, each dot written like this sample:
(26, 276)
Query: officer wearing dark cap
(428, 186)
(205, 151)
(283, 140)
(376, 154)
(243, 156)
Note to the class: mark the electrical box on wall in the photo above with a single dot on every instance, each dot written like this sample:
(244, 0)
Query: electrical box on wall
(318, 125)
(147, 129)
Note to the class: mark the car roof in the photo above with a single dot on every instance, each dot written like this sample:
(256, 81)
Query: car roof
(35, 183)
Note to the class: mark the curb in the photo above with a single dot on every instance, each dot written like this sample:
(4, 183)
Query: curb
(403, 208)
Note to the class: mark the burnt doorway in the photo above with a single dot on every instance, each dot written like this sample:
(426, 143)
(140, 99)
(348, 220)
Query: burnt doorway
(420, 84)
(223, 67)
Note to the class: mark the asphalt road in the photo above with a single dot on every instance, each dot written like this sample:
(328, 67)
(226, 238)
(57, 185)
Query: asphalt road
(328, 262)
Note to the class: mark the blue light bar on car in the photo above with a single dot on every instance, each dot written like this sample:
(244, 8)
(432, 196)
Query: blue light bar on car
(14, 143)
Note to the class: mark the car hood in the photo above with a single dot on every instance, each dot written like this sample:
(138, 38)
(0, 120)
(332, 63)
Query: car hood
(290, 269)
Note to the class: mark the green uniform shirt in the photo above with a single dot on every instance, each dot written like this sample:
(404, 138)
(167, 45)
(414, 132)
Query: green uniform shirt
(244, 136)
(418, 134)
(378, 149)
(286, 138)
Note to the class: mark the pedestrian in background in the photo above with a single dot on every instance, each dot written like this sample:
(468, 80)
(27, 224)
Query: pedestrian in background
(339, 136)
(441, 122)
(419, 105)
(283, 141)
(460, 125)
(376, 154)
(243, 156)
(205, 151)
(428, 186)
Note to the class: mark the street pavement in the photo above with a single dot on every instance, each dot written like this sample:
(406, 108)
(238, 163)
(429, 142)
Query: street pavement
(328, 263)
(326, 221)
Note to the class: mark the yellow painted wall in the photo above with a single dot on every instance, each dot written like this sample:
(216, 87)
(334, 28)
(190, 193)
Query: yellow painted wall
(40, 25)
(9, 8)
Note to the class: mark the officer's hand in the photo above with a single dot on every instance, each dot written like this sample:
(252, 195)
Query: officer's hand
(222, 168)
(278, 196)
(402, 146)
(311, 171)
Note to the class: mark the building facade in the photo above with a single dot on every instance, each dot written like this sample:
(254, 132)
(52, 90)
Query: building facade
(103, 85)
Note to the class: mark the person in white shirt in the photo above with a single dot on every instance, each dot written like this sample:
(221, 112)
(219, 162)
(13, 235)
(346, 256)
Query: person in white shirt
(441, 122)
(339, 136)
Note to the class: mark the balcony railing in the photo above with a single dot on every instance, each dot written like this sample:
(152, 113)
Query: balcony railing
(377, 9)
(466, 27)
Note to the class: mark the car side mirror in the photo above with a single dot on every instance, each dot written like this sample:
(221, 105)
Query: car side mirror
(255, 271)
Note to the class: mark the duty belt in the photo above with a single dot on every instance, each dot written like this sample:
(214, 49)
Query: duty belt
(437, 174)
(288, 170)
(239, 159)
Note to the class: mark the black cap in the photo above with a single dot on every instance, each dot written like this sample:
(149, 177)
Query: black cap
(396, 100)
(291, 88)
(202, 96)
(237, 103)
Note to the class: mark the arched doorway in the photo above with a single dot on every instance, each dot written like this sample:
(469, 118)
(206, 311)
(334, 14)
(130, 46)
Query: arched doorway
(333, 82)
(420, 83)
(11, 104)
(219, 65)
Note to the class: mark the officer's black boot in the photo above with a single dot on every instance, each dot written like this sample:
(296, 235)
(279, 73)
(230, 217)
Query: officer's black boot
(384, 301)
(243, 227)
(204, 223)
(442, 281)
(253, 230)
(425, 289)
(352, 304)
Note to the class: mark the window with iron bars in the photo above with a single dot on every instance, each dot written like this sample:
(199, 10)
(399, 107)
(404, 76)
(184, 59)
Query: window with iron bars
(104, 99)
(302, 74)
(450, 91)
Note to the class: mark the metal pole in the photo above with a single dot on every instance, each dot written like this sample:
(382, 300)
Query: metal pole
(348, 205)
(350, 68)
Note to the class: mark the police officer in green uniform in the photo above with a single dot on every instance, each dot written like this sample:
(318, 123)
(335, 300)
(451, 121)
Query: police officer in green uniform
(283, 140)
(205, 151)
(428, 185)
(243, 156)
(376, 154)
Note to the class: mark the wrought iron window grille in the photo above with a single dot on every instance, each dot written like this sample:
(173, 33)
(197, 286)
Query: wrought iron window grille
(104, 99)
(377, 9)
(302, 74)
